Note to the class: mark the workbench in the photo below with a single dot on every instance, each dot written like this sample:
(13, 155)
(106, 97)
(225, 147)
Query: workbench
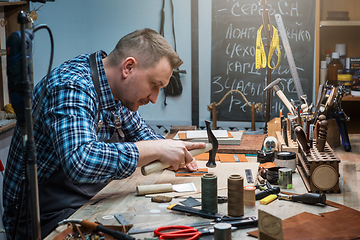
(119, 196)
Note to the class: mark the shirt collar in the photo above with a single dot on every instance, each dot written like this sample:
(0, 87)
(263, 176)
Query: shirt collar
(107, 100)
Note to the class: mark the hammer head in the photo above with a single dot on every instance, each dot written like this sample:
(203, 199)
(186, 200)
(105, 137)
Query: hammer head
(272, 84)
(212, 139)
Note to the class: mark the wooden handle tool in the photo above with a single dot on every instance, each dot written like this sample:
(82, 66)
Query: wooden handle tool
(157, 165)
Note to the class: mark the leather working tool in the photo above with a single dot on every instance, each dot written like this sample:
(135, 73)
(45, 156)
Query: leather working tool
(280, 94)
(180, 232)
(212, 147)
(308, 198)
(239, 222)
(98, 228)
(267, 192)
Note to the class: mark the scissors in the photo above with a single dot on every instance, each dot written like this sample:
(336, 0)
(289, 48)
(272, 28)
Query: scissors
(181, 232)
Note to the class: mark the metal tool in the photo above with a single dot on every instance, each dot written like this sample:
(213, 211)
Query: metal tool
(289, 55)
(98, 228)
(212, 147)
(249, 176)
(308, 198)
(280, 94)
(283, 124)
(213, 140)
(180, 232)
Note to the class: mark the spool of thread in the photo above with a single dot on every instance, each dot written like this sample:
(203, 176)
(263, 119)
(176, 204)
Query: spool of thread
(222, 231)
(209, 201)
(249, 196)
(235, 195)
(285, 178)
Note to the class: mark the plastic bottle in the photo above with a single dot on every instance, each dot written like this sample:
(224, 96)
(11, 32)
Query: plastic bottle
(323, 72)
(335, 67)
(347, 66)
(341, 49)
(328, 57)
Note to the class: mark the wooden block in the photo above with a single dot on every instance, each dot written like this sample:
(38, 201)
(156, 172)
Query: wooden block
(282, 147)
(273, 126)
(333, 133)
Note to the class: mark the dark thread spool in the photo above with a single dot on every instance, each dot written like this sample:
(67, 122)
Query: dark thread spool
(209, 201)
(235, 195)
(222, 231)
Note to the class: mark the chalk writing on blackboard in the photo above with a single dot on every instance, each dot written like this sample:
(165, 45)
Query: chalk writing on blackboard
(234, 28)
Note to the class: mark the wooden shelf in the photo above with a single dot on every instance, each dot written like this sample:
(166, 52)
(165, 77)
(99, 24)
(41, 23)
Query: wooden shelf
(328, 23)
(13, 3)
(351, 98)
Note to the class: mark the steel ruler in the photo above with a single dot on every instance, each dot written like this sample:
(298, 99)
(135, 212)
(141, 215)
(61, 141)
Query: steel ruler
(289, 55)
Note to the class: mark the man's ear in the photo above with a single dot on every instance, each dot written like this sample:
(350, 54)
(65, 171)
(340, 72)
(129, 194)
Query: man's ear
(128, 66)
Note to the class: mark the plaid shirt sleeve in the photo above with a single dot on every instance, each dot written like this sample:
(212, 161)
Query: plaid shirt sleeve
(70, 119)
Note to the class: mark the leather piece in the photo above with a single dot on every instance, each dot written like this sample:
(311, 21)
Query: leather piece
(230, 157)
(339, 224)
(205, 157)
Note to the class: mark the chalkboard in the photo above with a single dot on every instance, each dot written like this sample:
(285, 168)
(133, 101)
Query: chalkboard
(234, 29)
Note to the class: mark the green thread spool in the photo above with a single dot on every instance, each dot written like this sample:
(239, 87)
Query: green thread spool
(235, 195)
(209, 200)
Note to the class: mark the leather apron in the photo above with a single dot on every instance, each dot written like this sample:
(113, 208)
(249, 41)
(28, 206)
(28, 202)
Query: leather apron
(58, 196)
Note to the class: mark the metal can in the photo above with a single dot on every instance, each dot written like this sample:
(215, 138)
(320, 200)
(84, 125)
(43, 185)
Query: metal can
(285, 178)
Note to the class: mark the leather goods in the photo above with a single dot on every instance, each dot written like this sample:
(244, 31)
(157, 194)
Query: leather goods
(339, 224)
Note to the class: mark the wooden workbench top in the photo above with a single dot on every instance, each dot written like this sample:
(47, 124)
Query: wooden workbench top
(119, 197)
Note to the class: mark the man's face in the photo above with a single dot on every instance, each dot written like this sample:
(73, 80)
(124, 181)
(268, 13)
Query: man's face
(143, 85)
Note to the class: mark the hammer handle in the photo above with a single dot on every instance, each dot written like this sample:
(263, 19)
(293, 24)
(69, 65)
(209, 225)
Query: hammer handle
(284, 99)
(157, 165)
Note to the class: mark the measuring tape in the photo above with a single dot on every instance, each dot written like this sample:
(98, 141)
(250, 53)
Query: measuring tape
(289, 56)
(260, 57)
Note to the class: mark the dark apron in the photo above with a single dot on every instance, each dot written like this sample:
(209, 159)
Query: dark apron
(58, 196)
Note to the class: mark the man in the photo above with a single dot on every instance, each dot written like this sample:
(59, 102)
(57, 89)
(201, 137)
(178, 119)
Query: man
(88, 131)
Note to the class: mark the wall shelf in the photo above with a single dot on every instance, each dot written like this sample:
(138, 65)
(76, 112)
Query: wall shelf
(328, 23)
(13, 3)
(351, 98)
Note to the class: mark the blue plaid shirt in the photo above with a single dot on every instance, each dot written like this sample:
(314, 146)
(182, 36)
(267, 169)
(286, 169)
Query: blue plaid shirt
(65, 131)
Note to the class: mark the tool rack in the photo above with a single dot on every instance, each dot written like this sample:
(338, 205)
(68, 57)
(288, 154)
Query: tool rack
(319, 170)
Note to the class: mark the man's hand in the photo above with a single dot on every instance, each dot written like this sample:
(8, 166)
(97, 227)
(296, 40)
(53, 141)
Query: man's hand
(172, 152)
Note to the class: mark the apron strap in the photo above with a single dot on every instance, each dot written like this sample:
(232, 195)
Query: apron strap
(95, 79)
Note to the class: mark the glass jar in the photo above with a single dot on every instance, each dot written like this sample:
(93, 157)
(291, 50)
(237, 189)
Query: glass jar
(346, 81)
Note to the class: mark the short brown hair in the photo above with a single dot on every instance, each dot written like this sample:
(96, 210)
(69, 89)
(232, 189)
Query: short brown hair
(147, 46)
